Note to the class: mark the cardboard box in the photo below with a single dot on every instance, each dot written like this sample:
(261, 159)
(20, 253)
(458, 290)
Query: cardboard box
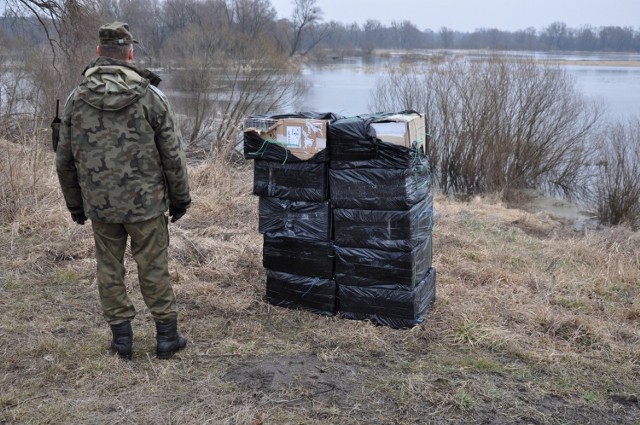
(303, 137)
(402, 129)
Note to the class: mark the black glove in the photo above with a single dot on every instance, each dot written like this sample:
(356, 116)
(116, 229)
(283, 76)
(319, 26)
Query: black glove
(79, 218)
(176, 213)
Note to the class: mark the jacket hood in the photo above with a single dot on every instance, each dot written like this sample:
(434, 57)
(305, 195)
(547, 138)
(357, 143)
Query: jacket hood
(153, 78)
(110, 86)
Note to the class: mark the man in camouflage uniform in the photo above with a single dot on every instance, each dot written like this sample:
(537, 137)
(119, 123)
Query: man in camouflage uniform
(121, 165)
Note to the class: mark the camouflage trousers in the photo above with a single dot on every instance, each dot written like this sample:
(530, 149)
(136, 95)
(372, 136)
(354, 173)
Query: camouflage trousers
(149, 243)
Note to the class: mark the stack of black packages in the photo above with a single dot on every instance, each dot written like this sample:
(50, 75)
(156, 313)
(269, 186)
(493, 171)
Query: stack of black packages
(294, 213)
(382, 213)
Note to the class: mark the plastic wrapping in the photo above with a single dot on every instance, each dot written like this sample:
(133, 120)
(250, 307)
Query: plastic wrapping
(300, 181)
(282, 218)
(299, 292)
(352, 140)
(354, 145)
(298, 256)
(374, 267)
(386, 230)
(388, 156)
(255, 147)
(380, 188)
(329, 116)
(395, 308)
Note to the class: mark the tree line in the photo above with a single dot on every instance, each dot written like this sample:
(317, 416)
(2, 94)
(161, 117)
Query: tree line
(555, 37)
(158, 22)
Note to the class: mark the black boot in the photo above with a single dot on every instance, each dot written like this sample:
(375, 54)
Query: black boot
(122, 339)
(168, 339)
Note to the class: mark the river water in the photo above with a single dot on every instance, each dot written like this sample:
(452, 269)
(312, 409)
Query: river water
(345, 85)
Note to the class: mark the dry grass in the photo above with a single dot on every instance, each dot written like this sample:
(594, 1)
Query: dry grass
(534, 323)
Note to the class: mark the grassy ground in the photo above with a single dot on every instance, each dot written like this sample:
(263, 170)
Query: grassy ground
(534, 323)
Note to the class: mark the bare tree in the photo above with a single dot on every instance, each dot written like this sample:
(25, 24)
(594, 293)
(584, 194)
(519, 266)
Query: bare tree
(66, 25)
(373, 35)
(556, 36)
(407, 36)
(252, 17)
(146, 20)
(180, 14)
(446, 37)
(224, 76)
(305, 15)
(586, 38)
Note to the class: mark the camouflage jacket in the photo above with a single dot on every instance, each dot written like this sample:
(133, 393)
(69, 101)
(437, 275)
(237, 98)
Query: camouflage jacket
(119, 159)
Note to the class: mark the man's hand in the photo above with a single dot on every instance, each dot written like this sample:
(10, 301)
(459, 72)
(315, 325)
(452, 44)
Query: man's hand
(79, 218)
(176, 213)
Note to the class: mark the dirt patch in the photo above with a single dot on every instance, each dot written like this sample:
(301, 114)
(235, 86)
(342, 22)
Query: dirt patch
(532, 230)
(629, 400)
(306, 370)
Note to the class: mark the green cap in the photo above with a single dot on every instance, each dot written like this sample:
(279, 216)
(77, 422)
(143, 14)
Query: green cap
(115, 33)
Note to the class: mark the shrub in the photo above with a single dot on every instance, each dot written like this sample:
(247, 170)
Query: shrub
(616, 186)
(27, 184)
(497, 125)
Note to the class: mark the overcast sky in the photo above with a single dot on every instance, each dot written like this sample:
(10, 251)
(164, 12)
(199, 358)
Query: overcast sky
(468, 15)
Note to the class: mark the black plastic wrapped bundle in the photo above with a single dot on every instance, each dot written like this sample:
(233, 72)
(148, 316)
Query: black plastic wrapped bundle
(354, 145)
(374, 267)
(380, 188)
(298, 256)
(388, 307)
(282, 218)
(300, 181)
(300, 292)
(352, 140)
(388, 156)
(383, 229)
(255, 147)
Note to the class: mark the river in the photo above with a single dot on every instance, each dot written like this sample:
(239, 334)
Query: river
(345, 85)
